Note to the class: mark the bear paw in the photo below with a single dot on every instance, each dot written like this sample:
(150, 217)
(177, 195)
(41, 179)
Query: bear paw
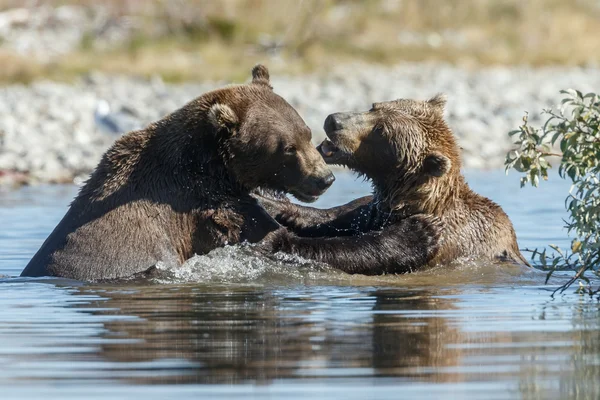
(427, 230)
(273, 241)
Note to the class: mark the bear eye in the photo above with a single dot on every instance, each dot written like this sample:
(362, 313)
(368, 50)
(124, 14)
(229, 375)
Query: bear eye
(290, 150)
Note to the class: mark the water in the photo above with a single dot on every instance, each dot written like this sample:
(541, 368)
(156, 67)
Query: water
(232, 325)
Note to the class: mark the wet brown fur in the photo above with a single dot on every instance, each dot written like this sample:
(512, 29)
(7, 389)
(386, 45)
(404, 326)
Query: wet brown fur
(181, 186)
(406, 148)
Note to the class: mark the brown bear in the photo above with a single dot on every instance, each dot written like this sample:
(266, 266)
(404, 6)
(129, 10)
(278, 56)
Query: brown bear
(182, 186)
(411, 157)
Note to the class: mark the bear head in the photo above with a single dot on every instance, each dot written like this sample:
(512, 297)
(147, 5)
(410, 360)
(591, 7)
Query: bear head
(403, 146)
(264, 142)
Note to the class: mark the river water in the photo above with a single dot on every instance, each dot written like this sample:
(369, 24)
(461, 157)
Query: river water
(233, 325)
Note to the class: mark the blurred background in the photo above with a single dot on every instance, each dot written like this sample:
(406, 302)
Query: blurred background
(77, 72)
(181, 40)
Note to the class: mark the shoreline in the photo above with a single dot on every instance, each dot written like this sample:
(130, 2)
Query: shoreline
(54, 132)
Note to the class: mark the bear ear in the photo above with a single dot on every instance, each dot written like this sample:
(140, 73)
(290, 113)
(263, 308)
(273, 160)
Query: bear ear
(438, 102)
(436, 164)
(221, 116)
(260, 75)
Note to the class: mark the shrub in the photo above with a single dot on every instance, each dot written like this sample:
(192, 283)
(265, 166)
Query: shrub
(575, 130)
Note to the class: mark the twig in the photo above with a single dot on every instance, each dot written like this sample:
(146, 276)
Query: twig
(578, 275)
(551, 154)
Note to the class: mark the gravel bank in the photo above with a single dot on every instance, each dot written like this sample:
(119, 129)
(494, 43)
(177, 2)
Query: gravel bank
(55, 132)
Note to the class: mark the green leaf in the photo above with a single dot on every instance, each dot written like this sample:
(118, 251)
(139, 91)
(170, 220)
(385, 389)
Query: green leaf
(523, 181)
(535, 180)
(572, 173)
(575, 129)
(512, 133)
(563, 145)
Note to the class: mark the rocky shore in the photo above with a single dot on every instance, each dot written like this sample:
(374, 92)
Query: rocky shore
(56, 132)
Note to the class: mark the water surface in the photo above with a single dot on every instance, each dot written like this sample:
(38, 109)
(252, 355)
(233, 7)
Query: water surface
(232, 325)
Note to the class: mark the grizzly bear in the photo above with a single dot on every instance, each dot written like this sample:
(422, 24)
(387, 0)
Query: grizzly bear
(408, 152)
(182, 185)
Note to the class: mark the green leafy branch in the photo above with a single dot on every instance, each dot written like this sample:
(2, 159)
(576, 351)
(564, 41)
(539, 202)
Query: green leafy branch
(575, 130)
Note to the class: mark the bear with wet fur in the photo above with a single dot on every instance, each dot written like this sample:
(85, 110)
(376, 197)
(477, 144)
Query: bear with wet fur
(182, 185)
(411, 157)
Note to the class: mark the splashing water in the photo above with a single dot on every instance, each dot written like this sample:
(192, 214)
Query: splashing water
(244, 264)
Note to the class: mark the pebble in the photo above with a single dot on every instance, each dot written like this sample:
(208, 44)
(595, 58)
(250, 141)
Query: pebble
(51, 132)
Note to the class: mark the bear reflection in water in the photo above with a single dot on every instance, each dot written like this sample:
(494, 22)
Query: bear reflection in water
(240, 336)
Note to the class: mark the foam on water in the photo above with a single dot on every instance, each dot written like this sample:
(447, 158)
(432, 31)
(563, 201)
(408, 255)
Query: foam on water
(244, 264)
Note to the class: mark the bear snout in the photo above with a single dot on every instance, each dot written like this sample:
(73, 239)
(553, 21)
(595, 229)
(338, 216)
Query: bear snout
(316, 185)
(324, 183)
(312, 187)
(344, 121)
(334, 122)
